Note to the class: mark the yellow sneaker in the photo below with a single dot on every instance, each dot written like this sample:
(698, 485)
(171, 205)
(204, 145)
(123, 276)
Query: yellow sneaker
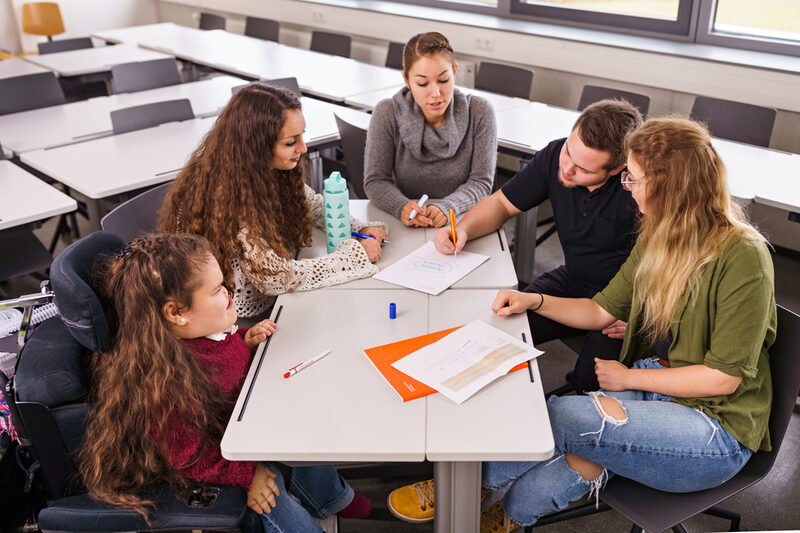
(412, 503)
(495, 520)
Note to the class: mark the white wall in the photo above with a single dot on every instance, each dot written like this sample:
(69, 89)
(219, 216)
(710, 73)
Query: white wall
(9, 35)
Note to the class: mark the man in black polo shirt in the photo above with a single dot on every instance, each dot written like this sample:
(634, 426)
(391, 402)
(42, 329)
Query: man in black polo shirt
(595, 218)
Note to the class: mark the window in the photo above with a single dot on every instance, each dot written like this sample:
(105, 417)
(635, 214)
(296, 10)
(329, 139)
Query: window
(773, 27)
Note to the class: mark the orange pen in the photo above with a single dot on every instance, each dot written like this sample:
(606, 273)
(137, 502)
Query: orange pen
(453, 227)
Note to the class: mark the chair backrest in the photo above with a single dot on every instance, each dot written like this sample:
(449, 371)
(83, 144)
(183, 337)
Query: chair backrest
(331, 43)
(595, 93)
(150, 115)
(394, 55)
(266, 29)
(42, 18)
(504, 79)
(136, 216)
(64, 45)
(354, 140)
(210, 21)
(286, 83)
(31, 91)
(736, 121)
(144, 75)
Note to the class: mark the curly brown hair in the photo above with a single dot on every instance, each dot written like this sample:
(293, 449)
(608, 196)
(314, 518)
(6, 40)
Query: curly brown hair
(147, 376)
(229, 182)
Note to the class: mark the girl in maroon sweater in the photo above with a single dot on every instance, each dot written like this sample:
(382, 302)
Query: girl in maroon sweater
(166, 386)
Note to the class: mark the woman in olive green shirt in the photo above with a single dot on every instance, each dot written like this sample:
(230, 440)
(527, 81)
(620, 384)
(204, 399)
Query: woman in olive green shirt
(688, 402)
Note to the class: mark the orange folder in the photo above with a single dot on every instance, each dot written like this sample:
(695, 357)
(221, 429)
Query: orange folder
(405, 386)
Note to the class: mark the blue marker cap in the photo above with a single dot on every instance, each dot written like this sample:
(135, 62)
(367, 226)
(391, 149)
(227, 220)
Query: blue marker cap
(392, 310)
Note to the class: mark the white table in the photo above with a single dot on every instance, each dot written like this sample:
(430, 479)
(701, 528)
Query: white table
(368, 100)
(782, 190)
(11, 68)
(49, 127)
(529, 128)
(28, 199)
(92, 60)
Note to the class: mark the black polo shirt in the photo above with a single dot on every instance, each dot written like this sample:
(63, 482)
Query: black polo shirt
(596, 229)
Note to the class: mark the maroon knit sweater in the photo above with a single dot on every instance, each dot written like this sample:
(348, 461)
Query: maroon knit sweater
(226, 362)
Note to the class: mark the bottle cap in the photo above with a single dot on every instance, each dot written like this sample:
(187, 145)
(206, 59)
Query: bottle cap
(392, 310)
(335, 183)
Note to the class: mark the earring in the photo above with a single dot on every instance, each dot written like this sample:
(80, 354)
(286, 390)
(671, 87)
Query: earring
(183, 320)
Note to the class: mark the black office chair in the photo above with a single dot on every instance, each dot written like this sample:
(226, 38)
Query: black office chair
(354, 140)
(394, 56)
(64, 45)
(210, 21)
(655, 510)
(331, 43)
(595, 93)
(136, 216)
(150, 115)
(31, 91)
(47, 397)
(266, 29)
(504, 79)
(144, 75)
(736, 121)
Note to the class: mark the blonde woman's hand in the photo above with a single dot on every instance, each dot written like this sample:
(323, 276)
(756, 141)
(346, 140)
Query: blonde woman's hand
(420, 220)
(512, 302)
(616, 330)
(373, 249)
(611, 375)
(436, 216)
(263, 491)
(259, 333)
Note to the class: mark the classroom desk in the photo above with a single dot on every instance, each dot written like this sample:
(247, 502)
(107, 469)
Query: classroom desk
(11, 68)
(53, 126)
(526, 129)
(368, 100)
(782, 190)
(27, 199)
(92, 60)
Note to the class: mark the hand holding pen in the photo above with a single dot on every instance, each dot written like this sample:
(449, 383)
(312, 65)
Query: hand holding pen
(415, 213)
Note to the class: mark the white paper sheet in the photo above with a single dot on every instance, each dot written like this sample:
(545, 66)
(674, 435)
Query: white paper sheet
(463, 362)
(428, 271)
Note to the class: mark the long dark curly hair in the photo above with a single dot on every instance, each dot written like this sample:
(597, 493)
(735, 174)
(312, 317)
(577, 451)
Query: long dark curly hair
(229, 183)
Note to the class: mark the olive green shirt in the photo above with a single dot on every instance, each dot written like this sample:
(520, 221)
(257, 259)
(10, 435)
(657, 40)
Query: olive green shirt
(729, 327)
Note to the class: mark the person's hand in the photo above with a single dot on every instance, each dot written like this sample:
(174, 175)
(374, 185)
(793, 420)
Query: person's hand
(259, 333)
(512, 302)
(444, 243)
(263, 491)
(436, 216)
(611, 375)
(616, 330)
(376, 232)
(373, 249)
(419, 221)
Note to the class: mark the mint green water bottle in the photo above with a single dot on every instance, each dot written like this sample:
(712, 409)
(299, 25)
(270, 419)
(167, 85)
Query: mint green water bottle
(337, 210)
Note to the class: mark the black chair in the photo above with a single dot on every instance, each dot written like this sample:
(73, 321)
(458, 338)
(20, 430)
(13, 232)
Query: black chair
(64, 45)
(331, 43)
(504, 79)
(48, 400)
(210, 21)
(736, 121)
(144, 75)
(354, 140)
(266, 29)
(394, 56)
(31, 91)
(655, 510)
(595, 93)
(137, 215)
(150, 115)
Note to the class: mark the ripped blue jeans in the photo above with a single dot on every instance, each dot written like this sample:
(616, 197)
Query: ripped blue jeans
(660, 444)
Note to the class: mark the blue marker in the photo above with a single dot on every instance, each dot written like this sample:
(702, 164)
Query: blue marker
(365, 236)
(392, 311)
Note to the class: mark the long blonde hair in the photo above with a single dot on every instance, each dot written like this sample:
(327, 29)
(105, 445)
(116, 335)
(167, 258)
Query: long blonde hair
(690, 216)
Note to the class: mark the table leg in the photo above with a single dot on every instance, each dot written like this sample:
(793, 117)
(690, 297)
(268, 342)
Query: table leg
(458, 494)
(315, 162)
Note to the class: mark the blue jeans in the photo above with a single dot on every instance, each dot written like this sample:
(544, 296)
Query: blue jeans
(661, 444)
(321, 492)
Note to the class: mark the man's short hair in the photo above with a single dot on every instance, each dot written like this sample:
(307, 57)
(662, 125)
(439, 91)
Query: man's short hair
(604, 126)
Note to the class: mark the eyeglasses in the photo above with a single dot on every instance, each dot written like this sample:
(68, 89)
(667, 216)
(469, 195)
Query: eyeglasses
(626, 180)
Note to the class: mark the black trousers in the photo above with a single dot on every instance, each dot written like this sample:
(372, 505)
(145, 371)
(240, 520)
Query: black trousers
(558, 283)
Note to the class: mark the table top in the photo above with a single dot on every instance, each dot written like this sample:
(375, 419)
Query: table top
(761, 174)
(92, 60)
(11, 68)
(782, 189)
(529, 128)
(368, 100)
(27, 199)
(53, 126)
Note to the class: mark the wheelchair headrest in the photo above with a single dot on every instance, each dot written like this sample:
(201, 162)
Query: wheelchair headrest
(72, 276)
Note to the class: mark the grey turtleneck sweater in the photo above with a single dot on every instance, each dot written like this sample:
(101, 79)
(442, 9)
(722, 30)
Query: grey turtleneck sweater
(406, 158)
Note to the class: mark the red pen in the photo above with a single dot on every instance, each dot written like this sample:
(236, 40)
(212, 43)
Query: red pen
(297, 368)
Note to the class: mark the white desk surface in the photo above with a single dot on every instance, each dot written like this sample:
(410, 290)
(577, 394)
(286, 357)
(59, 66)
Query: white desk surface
(49, 127)
(26, 198)
(368, 100)
(782, 189)
(92, 60)
(339, 409)
(11, 68)
(496, 272)
(529, 128)
(753, 169)
(320, 122)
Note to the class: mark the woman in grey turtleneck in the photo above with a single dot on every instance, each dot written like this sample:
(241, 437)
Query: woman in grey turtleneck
(430, 138)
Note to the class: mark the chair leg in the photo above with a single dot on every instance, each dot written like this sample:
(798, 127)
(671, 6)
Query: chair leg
(735, 518)
(636, 529)
(679, 528)
(546, 235)
(570, 514)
